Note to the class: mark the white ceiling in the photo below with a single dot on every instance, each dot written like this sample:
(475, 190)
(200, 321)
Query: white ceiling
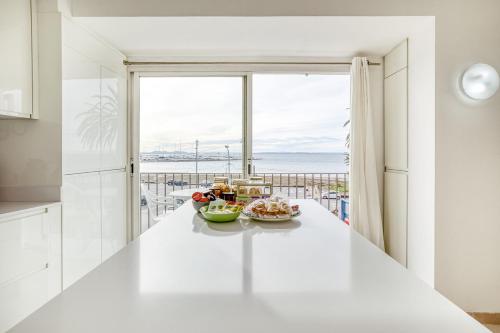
(252, 36)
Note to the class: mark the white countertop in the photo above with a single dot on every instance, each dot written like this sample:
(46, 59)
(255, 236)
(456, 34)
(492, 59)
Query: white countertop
(11, 209)
(312, 275)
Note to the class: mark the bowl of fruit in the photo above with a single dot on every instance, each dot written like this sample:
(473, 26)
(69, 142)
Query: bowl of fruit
(201, 199)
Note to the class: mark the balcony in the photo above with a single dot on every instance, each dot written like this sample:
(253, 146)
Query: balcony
(326, 188)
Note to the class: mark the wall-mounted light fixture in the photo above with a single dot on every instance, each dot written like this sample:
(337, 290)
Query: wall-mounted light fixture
(480, 81)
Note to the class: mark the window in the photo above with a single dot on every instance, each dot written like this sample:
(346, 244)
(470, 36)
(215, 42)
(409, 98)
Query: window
(194, 128)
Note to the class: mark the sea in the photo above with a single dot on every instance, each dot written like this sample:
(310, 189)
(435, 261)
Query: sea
(263, 163)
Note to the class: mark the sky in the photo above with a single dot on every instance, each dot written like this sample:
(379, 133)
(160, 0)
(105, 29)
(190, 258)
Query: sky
(291, 113)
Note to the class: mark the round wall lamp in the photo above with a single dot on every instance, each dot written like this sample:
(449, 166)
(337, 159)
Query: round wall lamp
(480, 81)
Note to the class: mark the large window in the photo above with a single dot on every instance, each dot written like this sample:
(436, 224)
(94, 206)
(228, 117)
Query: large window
(289, 129)
(299, 123)
(188, 124)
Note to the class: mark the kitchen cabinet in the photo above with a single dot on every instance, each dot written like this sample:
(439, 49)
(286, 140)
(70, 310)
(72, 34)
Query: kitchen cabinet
(30, 259)
(396, 121)
(113, 120)
(81, 113)
(94, 223)
(18, 74)
(81, 225)
(94, 115)
(113, 205)
(396, 152)
(94, 124)
(395, 211)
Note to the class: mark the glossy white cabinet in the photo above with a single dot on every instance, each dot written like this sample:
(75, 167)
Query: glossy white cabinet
(113, 205)
(396, 120)
(30, 261)
(94, 115)
(395, 215)
(16, 76)
(81, 225)
(94, 151)
(22, 297)
(94, 221)
(113, 120)
(81, 115)
(54, 217)
(396, 152)
(24, 246)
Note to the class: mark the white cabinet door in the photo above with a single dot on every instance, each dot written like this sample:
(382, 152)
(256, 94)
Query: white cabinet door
(24, 246)
(113, 120)
(396, 121)
(113, 203)
(81, 119)
(81, 225)
(22, 297)
(16, 76)
(30, 262)
(395, 215)
(53, 220)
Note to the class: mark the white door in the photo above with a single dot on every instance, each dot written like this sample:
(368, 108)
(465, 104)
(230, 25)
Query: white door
(113, 203)
(81, 225)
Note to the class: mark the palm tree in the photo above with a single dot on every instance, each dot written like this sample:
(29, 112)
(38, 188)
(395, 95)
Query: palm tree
(347, 144)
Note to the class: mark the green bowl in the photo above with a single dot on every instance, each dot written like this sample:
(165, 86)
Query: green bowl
(214, 217)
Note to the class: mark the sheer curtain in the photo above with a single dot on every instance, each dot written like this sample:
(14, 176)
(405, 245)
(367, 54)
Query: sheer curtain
(364, 202)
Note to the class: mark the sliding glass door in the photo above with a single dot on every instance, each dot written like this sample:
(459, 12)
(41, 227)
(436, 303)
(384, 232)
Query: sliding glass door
(191, 131)
(300, 125)
(290, 129)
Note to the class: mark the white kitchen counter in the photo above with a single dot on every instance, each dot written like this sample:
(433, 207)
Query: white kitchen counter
(312, 275)
(12, 209)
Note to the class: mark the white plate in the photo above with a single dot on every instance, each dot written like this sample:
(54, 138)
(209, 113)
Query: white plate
(261, 219)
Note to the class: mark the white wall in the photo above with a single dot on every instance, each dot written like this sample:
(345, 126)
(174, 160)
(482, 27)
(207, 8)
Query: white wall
(421, 151)
(467, 159)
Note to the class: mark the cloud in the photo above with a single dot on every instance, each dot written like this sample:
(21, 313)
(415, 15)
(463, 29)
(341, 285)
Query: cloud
(290, 112)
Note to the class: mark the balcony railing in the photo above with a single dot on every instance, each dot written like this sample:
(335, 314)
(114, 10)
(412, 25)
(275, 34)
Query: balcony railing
(327, 188)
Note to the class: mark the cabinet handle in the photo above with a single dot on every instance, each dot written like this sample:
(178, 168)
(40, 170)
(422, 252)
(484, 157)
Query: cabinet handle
(24, 275)
(25, 215)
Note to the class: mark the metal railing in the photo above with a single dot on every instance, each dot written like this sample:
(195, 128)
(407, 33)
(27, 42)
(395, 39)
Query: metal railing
(326, 188)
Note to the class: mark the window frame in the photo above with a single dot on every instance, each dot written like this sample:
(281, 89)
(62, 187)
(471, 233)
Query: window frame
(246, 71)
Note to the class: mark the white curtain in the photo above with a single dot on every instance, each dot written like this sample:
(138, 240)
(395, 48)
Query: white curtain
(364, 202)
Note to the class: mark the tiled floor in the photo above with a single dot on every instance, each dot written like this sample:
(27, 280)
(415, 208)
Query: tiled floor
(494, 328)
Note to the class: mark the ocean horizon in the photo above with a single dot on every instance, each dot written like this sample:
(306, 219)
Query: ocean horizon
(267, 162)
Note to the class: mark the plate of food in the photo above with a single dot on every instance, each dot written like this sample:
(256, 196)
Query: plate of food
(221, 211)
(272, 209)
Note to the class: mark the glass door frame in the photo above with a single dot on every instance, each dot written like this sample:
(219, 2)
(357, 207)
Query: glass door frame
(134, 132)
(243, 70)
